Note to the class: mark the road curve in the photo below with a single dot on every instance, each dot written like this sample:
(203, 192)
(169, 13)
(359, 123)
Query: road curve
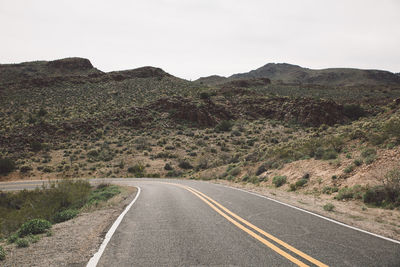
(191, 223)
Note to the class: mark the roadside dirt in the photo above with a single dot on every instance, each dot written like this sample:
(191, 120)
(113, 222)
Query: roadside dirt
(73, 242)
(354, 213)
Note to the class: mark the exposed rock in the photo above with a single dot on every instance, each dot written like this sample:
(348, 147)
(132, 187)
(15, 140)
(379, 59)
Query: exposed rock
(73, 63)
(203, 114)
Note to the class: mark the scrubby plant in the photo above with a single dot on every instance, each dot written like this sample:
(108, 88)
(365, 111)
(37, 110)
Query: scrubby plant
(301, 182)
(349, 169)
(137, 169)
(184, 164)
(279, 180)
(34, 226)
(353, 111)
(65, 215)
(329, 207)
(224, 126)
(387, 194)
(22, 243)
(2, 254)
(6, 166)
(25, 169)
(168, 167)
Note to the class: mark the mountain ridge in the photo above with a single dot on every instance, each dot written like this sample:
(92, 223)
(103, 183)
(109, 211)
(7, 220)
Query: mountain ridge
(289, 73)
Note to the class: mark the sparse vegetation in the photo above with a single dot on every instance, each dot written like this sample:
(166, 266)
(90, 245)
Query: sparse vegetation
(329, 207)
(279, 180)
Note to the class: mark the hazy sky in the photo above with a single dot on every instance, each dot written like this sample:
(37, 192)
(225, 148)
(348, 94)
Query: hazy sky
(193, 38)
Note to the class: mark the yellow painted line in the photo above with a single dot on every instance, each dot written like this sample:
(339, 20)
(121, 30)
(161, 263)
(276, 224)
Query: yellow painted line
(280, 242)
(251, 233)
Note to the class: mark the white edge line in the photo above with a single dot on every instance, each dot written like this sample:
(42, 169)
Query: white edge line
(312, 213)
(96, 257)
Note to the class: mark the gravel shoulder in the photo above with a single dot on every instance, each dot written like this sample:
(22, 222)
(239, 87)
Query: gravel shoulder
(75, 241)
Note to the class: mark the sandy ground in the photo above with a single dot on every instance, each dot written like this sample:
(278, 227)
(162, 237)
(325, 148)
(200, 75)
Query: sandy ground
(73, 242)
(354, 213)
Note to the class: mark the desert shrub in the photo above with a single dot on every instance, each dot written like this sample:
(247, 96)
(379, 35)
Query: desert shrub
(42, 112)
(367, 152)
(292, 187)
(392, 127)
(329, 207)
(34, 226)
(103, 194)
(368, 160)
(224, 126)
(301, 182)
(137, 169)
(65, 215)
(168, 167)
(184, 164)
(2, 253)
(36, 146)
(358, 162)
(25, 169)
(22, 243)
(12, 238)
(377, 139)
(348, 169)
(279, 180)
(6, 166)
(204, 95)
(261, 169)
(354, 192)
(353, 111)
(235, 171)
(329, 190)
(375, 195)
(329, 154)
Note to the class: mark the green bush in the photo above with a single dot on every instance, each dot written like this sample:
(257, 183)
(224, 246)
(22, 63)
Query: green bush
(329, 154)
(368, 152)
(6, 166)
(368, 160)
(358, 162)
(279, 180)
(22, 243)
(375, 195)
(224, 126)
(301, 182)
(353, 111)
(349, 169)
(65, 215)
(103, 194)
(12, 238)
(168, 167)
(34, 226)
(184, 164)
(392, 127)
(354, 192)
(25, 169)
(137, 169)
(2, 253)
(329, 207)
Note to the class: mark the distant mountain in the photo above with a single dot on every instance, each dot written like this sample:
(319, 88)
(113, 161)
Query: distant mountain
(75, 70)
(211, 80)
(288, 73)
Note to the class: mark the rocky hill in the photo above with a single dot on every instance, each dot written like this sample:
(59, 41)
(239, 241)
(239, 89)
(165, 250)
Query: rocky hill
(293, 74)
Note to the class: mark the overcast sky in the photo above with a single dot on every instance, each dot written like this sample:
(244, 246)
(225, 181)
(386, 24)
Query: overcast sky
(194, 38)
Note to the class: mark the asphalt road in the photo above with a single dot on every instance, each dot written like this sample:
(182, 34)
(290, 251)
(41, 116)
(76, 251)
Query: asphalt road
(190, 223)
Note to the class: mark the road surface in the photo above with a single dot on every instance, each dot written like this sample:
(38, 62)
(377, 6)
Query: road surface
(191, 223)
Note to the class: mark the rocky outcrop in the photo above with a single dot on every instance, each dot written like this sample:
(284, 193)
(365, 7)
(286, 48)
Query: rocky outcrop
(181, 109)
(305, 111)
(70, 64)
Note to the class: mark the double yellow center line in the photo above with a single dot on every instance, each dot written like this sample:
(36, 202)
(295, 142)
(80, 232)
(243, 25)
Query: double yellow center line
(224, 212)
